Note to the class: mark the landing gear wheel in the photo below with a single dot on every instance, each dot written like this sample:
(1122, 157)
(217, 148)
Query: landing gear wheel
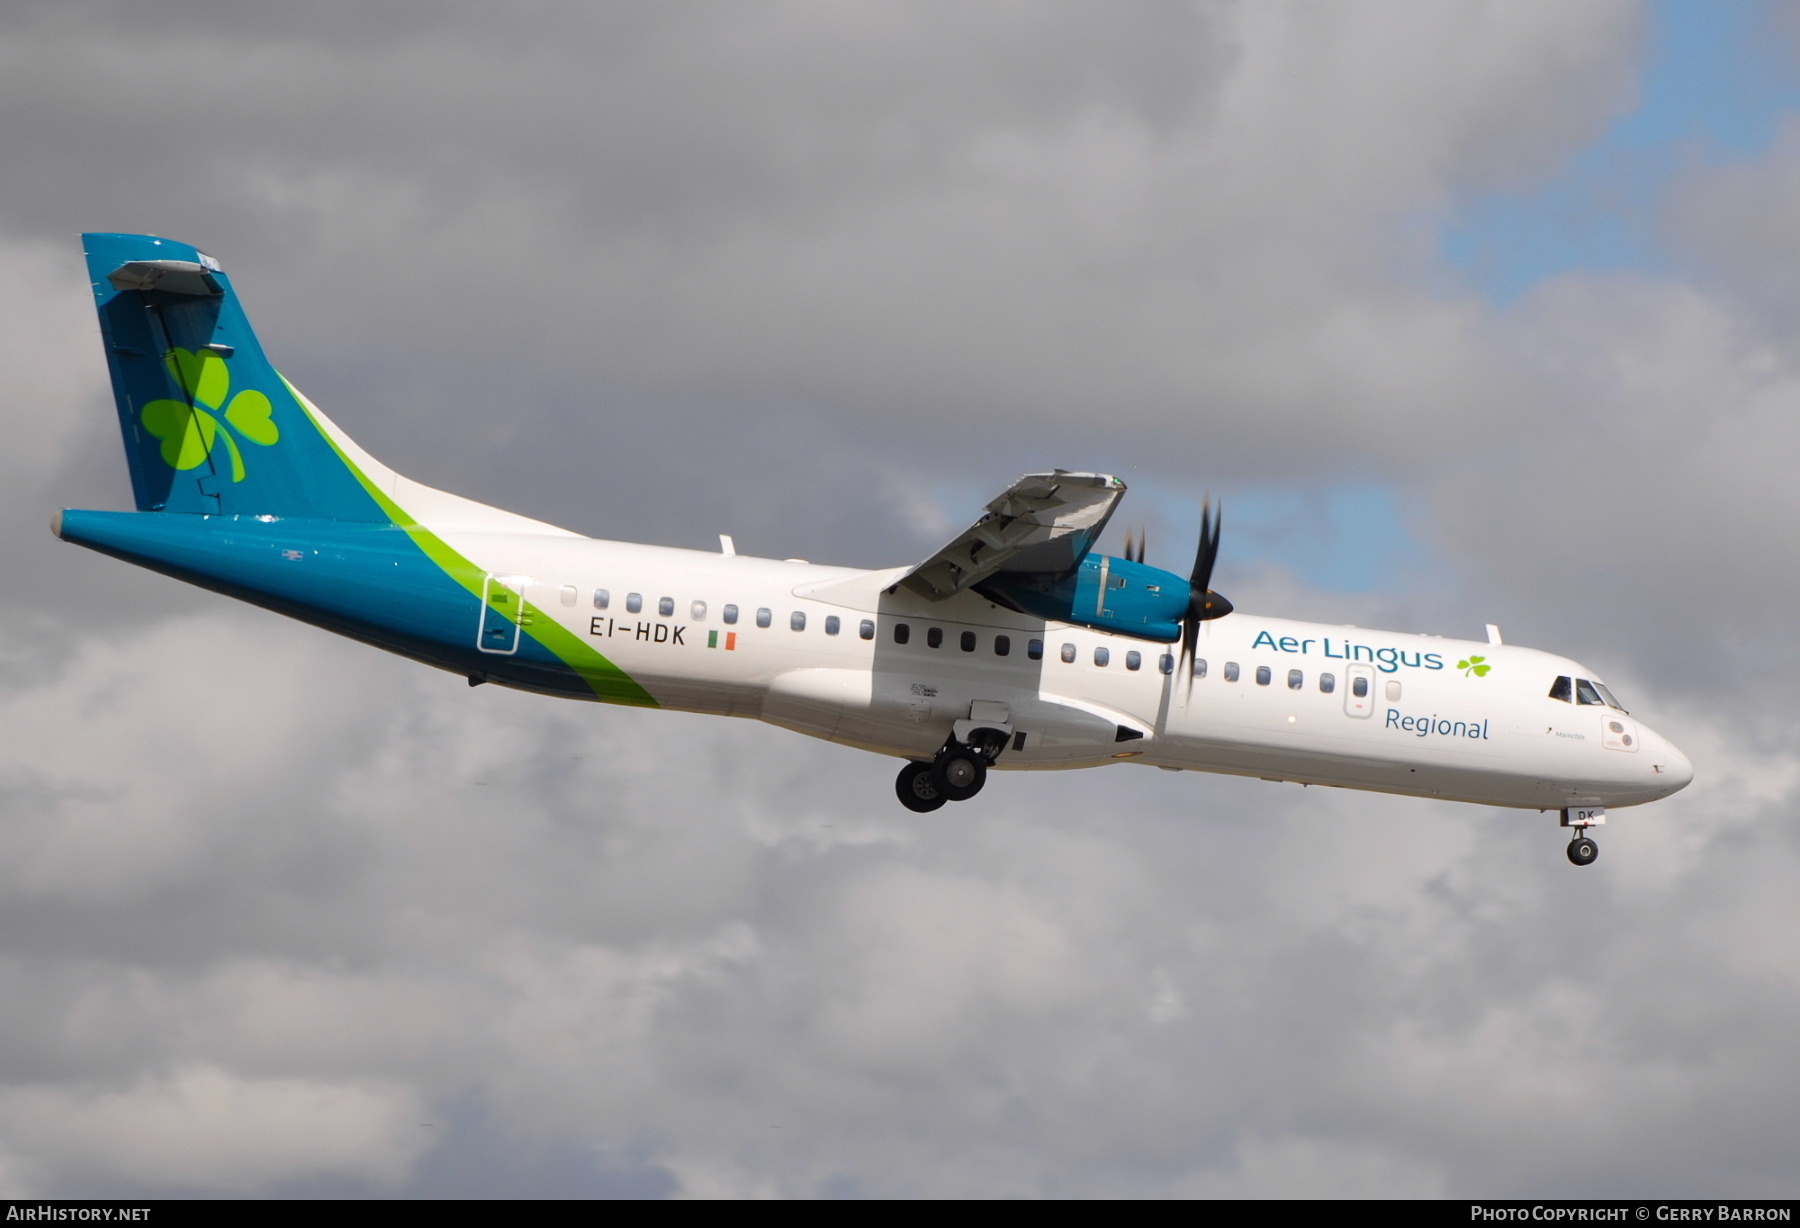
(1583, 851)
(959, 772)
(917, 791)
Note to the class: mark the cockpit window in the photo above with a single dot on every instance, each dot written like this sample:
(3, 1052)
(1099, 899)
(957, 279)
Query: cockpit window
(1586, 694)
(1564, 689)
(1612, 700)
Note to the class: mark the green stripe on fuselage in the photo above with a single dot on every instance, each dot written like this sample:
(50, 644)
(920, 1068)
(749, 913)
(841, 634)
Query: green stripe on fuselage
(606, 680)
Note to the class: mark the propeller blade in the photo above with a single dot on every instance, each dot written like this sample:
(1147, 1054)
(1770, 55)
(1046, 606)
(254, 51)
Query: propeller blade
(1190, 643)
(1208, 552)
(1128, 546)
(1204, 605)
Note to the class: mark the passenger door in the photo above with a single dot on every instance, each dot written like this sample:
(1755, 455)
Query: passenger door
(1359, 690)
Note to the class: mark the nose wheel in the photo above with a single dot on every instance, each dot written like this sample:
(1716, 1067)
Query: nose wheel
(1582, 850)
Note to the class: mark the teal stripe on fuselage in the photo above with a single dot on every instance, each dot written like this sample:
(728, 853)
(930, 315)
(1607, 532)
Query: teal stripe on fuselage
(367, 581)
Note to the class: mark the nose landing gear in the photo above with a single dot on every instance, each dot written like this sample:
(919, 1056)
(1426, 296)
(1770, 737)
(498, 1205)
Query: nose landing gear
(1582, 850)
(955, 775)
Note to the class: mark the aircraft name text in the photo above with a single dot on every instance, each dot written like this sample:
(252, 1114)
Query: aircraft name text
(1387, 660)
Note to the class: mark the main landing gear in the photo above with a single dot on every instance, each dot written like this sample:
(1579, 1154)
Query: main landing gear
(1582, 850)
(956, 775)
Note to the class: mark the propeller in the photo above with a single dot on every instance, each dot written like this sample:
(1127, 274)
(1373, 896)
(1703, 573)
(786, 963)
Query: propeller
(1204, 605)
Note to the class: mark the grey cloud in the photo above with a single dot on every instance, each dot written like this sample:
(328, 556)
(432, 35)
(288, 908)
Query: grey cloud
(697, 948)
(943, 214)
(1728, 219)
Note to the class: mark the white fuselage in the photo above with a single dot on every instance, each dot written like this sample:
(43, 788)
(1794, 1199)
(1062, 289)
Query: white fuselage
(1278, 699)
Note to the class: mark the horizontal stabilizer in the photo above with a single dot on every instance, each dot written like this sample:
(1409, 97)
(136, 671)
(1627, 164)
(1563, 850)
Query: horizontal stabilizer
(184, 277)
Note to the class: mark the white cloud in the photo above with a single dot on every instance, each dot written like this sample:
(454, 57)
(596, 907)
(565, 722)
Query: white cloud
(201, 1127)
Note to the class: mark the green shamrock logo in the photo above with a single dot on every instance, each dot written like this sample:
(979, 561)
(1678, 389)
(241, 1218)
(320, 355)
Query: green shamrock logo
(1474, 665)
(188, 430)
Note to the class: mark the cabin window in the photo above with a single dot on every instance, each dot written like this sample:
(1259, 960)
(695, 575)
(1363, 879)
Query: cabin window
(934, 637)
(1564, 689)
(1611, 699)
(1166, 663)
(665, 606)
(1327, 683)
(1034, 649)
(764, 617)
(968, 641)
(832, 625)
(1296, 679)
(1102, 655)
(1263, 675)
(867, 629)
(797, 620)
(902, 633)
(1359, 687)
(1200, 669)
(602, 599)
(1586, 694)
(1231, 671)
(634, 602)
(1002, 645)
(697, 611)
(568, 594)
(729, 614)
(1134, 660)
(1068, 654)
(1393, 690)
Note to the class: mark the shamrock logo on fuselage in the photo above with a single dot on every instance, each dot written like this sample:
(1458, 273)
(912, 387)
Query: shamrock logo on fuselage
(1474, 665)
(188, 428)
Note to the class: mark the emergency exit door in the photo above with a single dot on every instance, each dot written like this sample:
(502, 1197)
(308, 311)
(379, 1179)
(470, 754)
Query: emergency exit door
(502, 613)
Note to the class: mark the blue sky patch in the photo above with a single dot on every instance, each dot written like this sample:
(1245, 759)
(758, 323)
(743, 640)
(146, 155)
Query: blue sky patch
(1716, 83)
(1345, 537)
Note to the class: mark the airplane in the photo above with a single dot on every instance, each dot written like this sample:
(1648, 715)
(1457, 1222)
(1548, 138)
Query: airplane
(1017, 646)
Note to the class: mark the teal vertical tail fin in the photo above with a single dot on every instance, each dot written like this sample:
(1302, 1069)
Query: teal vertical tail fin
(210, 426)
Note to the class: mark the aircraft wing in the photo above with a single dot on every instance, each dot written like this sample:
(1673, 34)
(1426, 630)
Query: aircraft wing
(1043, 524)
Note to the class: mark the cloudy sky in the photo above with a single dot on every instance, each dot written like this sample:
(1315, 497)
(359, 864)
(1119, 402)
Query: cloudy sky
(1479, 311)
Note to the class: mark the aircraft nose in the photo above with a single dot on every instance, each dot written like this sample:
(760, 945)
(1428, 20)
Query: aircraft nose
(1674, 769)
